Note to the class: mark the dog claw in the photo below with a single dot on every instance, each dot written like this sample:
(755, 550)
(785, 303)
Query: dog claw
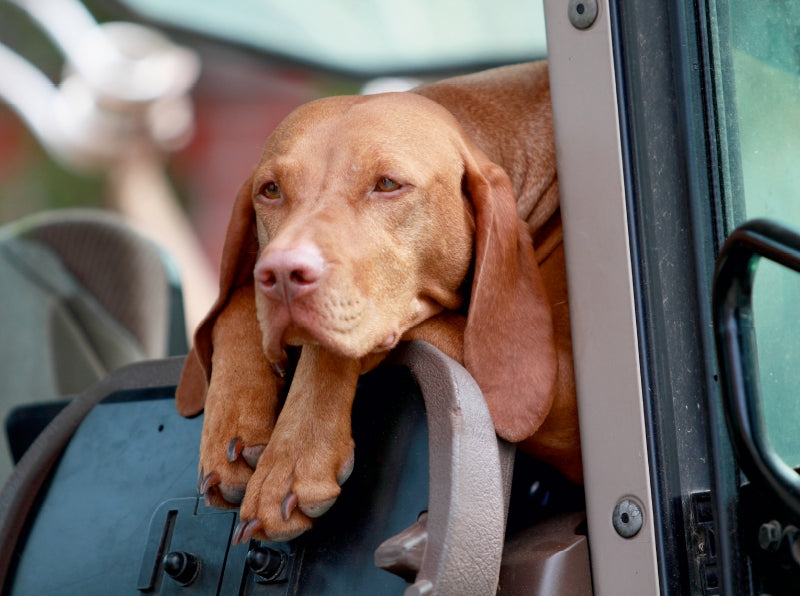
(245, 530)
(235, 448)
(279, 368)
(250, 455)
(209, 481)
(289, 504)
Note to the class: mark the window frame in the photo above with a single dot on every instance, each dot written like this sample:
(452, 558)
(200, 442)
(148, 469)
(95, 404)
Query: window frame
(672, 175)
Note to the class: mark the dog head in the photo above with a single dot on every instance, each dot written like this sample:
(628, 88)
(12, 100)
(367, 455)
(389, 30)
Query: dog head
(368, 215)
(362, 226)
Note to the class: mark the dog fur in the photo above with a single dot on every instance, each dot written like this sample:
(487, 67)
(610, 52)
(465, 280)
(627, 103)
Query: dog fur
(370, 220)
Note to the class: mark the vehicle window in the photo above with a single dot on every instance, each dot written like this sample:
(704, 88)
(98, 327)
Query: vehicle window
(765, 37)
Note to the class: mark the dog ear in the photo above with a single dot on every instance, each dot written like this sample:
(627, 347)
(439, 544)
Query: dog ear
(509, 345)
(239, 254)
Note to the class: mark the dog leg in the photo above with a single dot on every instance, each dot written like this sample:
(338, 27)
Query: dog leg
(310, 453)
(445, 331)
(241, 404)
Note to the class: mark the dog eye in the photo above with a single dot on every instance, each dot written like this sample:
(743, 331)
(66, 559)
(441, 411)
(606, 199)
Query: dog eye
(270, 190)
(386, 185)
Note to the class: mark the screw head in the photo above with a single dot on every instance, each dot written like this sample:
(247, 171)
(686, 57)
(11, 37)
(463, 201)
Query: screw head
(627, 517)
(582, 13)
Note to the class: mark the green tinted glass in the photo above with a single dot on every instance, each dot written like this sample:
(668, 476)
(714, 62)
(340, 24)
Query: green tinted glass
(765, 37)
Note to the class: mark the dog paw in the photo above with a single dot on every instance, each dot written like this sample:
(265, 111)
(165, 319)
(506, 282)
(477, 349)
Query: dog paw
(235, 434)
(224, 472)
(295, 481)
(221, 481)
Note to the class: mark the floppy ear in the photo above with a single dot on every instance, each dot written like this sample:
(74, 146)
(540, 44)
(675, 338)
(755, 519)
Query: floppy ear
(239, 254)
(509, 345)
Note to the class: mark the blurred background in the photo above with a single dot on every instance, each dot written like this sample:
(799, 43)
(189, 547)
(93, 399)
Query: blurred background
(257, 61)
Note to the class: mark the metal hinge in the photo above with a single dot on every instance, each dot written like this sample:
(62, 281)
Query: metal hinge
(704, 543)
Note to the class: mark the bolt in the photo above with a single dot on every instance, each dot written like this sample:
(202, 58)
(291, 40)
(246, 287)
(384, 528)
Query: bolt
(582, 13)
(770, 535)
(627, 518)
(181, 566)
(267, 563)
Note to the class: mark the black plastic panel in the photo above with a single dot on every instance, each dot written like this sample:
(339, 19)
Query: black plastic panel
(129, 476)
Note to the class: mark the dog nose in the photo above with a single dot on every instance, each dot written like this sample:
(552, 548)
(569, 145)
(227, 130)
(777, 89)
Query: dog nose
(289, 274)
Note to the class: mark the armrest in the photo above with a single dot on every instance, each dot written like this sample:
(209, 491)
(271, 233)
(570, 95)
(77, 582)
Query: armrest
(457, 547)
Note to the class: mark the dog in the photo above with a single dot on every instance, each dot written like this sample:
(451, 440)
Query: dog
(369, 220)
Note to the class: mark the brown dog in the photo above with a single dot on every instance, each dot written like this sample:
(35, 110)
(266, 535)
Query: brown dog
(371, 220)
